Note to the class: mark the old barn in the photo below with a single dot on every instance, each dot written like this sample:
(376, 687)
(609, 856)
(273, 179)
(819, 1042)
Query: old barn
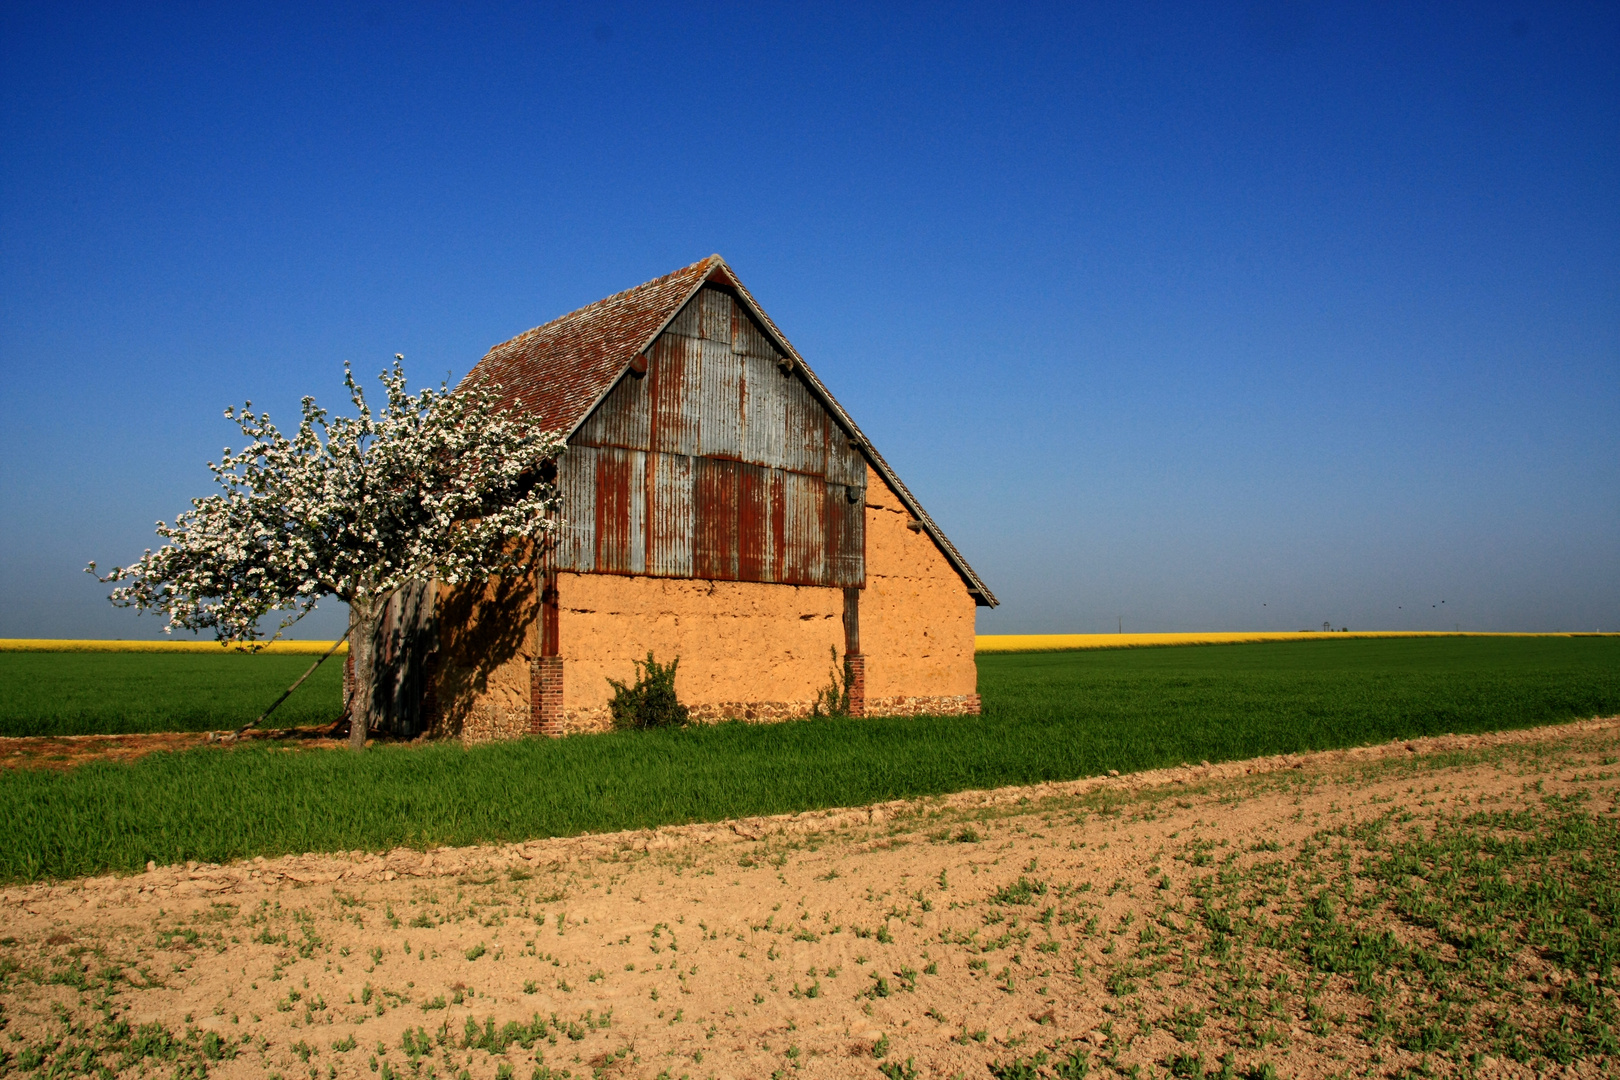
(720, 506)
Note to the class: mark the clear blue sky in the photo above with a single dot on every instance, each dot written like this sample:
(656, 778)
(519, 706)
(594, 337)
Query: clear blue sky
(1204, 316)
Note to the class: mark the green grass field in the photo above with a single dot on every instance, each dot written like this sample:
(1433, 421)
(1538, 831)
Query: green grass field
(1048, 716)
(117, 693)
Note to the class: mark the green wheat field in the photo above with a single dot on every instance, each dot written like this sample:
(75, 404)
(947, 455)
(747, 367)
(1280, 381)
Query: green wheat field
(1047, 716)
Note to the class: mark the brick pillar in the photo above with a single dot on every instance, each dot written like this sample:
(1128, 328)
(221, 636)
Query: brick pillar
(546, 696)
(546, 673)
(856, 668)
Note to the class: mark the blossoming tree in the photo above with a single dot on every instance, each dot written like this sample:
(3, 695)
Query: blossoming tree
(438, 484)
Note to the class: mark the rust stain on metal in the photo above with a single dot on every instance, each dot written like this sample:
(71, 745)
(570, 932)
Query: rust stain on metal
(717, 465)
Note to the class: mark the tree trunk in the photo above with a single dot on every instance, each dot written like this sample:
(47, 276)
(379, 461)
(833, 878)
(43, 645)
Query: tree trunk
(363, 617)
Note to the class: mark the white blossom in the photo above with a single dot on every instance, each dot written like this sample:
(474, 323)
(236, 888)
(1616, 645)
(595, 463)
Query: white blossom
(439, 484)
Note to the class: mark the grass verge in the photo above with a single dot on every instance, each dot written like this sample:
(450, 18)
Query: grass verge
(1048, 716)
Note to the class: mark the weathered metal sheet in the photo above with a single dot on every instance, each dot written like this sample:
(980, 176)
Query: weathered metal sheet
(677, 388)
(764, 412)
(623, 419)
(688, 322)
(845, 465)
(718, 464)
(715, 553)
(750, 340)
(720, 414)
(757, 532)
(670, 515)
(846, 535)
(717, 312)
(621, 502)
(805, 439)
(576, 479)
(804, 540)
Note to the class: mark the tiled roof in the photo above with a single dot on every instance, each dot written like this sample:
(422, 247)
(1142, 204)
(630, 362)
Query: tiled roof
(561, 371)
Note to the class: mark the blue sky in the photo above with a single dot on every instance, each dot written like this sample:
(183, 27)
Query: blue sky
(1245, 316)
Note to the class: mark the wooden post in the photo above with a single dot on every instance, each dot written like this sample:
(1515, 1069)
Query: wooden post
(546, 671)
(854, 659)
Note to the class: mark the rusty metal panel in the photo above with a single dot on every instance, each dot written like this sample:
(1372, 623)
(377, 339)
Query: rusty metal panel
(750, 340)
(717, 311)
(778, 524)
(670, 518)
(845, 465)
(716, 465)
(621, 502)
(676, 373)
(804, 560)
(714, 555)
(846, 535)
(624, 417)
(721, 404)
(757, 558)
(805, 445)
(576, 480)
(764, 412)
(688, 322)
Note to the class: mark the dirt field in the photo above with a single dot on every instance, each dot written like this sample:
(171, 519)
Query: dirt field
(71, 751)
(1239, 920)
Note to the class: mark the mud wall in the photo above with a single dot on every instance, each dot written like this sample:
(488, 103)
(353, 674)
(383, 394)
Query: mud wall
(917, 617)
(748, 650)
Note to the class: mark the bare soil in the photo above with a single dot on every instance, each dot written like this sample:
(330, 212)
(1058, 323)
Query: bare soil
(71, 751)
(915, 937)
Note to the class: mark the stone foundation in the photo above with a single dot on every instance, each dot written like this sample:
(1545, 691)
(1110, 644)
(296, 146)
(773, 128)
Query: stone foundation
(597, 718)
(487, 723)
(950, 705)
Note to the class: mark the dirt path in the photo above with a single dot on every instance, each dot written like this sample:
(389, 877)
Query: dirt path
(1207, 921)
(71, 751)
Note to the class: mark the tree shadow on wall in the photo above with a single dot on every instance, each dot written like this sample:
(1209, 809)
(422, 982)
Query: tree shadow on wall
(481, 629)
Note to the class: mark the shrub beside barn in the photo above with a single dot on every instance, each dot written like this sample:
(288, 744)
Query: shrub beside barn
(719, 505)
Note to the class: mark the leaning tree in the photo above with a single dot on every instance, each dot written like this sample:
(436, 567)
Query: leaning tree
(440, 484)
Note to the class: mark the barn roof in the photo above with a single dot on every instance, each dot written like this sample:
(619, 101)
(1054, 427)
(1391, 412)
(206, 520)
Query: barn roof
(561, 371)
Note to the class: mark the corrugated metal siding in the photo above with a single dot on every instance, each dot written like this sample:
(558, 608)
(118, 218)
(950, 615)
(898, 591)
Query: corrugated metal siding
(764, 411)
(805, 449)
(621, 502)
(676, 373)
(716, 311)
(844, 462)
(670, 516)
(846, 535)
(804, 561)
(715, 553)
(756, 539)
(623, 419)
(576, 478)
(717, 464)
(721, 412)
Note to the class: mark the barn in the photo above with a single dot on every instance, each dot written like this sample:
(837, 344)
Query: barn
(719, 506)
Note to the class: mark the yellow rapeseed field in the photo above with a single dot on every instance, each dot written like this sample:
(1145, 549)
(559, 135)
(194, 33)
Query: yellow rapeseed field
(985, 643)
(1053, 642)
(74, 645)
